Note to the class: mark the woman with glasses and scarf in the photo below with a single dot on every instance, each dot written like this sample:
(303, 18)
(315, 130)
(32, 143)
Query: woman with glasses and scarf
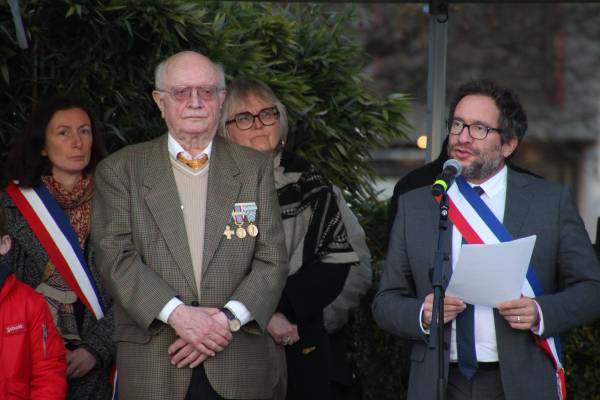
(319, 253)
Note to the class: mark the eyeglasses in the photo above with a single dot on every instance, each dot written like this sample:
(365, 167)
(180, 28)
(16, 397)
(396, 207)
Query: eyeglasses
(476, 131)
(184, 93)
(244, 120)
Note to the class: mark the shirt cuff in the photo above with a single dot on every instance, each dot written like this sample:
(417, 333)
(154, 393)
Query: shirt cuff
(240, 311)
(166, 311)
(539, 329)
(425, 331)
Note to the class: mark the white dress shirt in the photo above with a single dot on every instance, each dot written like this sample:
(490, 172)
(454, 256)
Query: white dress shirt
(494, 197)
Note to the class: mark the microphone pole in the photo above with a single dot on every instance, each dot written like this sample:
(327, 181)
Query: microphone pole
(436, 332)
(450, 170)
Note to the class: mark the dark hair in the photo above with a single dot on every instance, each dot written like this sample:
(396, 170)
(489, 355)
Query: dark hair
(3, 227)
(26, 163)
(512, 120)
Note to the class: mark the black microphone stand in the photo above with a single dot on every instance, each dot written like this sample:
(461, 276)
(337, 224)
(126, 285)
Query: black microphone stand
(436, 332)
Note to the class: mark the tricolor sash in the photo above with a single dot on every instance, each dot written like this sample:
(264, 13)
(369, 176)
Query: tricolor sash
(478, 225)
(54, 231)
(113, 379)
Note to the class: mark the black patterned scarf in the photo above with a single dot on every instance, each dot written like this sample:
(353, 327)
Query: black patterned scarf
(313, 225)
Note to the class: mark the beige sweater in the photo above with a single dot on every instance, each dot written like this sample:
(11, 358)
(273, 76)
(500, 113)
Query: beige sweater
(192, 186)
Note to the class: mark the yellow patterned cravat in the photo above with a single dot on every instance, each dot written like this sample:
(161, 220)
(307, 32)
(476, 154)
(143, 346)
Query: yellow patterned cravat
(196, 163)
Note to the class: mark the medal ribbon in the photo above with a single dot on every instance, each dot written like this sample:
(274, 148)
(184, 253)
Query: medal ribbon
(250, 211)
(238, 214)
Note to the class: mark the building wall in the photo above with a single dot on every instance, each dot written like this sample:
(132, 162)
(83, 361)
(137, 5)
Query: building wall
(547, 53)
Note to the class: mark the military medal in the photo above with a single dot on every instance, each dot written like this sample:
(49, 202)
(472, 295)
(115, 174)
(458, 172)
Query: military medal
(252, 230)
(238, 218)
(250, 211)
(240, 232)
(228, 232)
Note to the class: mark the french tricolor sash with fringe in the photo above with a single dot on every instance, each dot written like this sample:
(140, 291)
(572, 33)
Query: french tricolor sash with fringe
(478, 225)
(55, 233)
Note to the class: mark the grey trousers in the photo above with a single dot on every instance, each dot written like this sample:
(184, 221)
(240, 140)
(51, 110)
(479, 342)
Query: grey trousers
(486, 384)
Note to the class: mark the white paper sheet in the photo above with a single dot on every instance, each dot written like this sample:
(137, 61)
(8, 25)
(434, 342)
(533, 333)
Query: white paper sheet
(487, 274)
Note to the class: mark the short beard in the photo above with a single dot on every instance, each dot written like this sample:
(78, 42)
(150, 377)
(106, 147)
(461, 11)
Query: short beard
(484, 167)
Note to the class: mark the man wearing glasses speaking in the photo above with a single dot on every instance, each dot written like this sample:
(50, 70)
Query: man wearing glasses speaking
(187, 233)
(509, 351)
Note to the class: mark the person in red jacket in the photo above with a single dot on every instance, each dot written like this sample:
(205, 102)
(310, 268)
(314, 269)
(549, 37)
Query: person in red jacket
(32, 355)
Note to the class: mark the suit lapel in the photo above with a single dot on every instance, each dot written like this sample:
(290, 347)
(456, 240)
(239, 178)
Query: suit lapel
(445, 236)
(223, 192)
(164, 204)
(518, 202)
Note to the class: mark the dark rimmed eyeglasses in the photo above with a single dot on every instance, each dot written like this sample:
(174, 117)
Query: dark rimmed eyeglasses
(184, 93)
(244, 120)
(476, 131)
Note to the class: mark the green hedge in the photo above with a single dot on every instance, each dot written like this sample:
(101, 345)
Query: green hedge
(106, 50)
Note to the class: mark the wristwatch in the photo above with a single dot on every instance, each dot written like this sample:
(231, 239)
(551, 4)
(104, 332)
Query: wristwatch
(234, 323)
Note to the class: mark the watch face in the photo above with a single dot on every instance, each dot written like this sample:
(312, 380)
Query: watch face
(234, 325)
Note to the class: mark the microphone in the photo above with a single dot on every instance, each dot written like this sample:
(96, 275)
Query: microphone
(451, 170)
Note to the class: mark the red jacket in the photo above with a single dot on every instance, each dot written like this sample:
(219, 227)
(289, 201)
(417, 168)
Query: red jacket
(32, 354)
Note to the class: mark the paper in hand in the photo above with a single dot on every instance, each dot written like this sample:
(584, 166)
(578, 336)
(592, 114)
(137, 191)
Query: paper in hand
(487, 274)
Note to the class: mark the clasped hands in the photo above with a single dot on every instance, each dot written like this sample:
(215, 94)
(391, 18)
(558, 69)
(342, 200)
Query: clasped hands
(202, 331)
(521, 313)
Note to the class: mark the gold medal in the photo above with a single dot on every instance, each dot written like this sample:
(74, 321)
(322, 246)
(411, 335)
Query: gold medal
(240, 232)
(252, 230)
(228, 232)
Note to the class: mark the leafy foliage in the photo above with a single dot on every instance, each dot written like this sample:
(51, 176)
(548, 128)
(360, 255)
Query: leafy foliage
(105, 51)
(581, 349)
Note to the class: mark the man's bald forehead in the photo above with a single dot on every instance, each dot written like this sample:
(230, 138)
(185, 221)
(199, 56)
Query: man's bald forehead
(184, 58)
(189, 55)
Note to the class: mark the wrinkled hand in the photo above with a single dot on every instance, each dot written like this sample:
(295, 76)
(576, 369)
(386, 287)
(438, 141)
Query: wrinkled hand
(452, 307)
(520, 313)
(79, 362)
(221, 318)
(282, 331)
(184, 354)
(199, 328)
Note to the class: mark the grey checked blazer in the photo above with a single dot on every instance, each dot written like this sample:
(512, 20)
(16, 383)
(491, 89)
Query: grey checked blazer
(563, 259)
(144, 259)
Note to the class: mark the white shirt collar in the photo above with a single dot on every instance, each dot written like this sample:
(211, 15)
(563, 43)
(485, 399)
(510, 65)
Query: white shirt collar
(495, 184)
(175, 148)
